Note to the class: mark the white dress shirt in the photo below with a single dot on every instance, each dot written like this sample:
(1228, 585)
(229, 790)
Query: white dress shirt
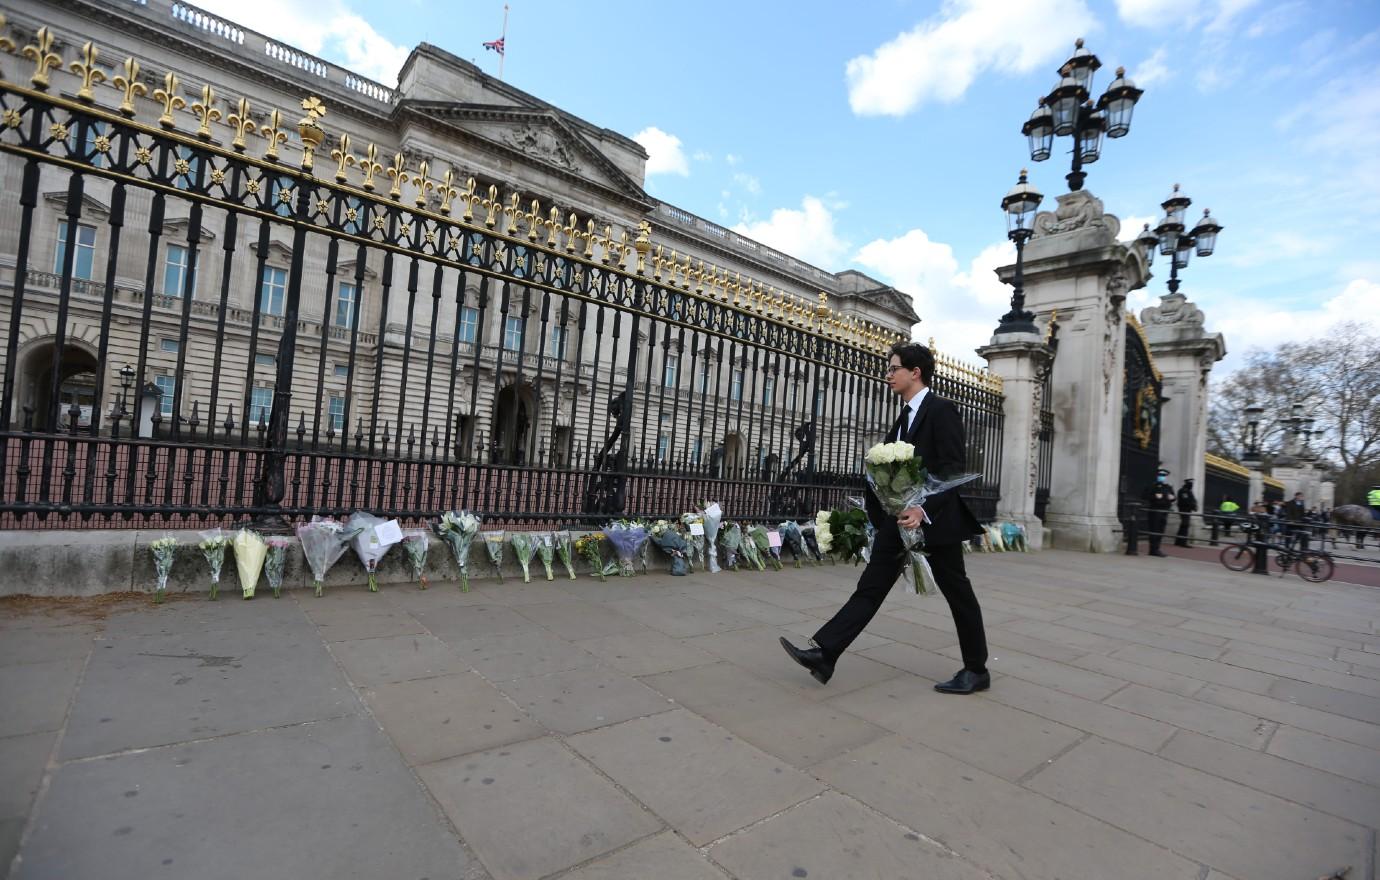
(914, 404)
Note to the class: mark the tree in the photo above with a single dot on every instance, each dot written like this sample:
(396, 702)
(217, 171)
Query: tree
(1336, 378)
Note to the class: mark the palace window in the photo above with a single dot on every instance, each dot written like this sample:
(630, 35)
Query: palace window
(769, 391)
(671, 371)
(735, 389)
(176, 270)
(468, 330)
(558, 335)
(84, 257)
(167, 385)
(273, 290)
(336, 413)
(260, 404)
(345, 305)
(512, 334)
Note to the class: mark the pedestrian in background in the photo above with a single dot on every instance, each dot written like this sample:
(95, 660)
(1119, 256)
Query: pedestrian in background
(1159, 500)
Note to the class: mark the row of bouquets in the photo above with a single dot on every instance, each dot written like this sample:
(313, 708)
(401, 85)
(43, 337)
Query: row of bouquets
(694, 539)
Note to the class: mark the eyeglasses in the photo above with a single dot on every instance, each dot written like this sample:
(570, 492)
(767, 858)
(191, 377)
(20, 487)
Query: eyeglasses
(894, 368)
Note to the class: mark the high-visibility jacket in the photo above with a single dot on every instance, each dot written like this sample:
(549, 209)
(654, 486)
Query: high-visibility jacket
(1373, 498)
(1230, 507)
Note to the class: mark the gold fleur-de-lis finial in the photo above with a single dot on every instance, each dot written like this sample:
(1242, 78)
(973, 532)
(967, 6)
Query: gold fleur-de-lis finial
(88, 71)
(514, 211)
(423, 185)
(606, 244)
(398, 173)
(241, 123)
(572, 232)
(128, 82)
(371, 166)
(171, 100)
(41, 53)
(491, 205)
(553, 225)
(623, 250)
(205, 111)
(447, 191)
(273, 132)
(470, 197)
(589, 237)
(6, 44)
(343, 158)
(533, 220)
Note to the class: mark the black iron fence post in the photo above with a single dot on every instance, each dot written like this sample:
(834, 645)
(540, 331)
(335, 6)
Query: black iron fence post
(1260, 543)
(1133, 529)
(1216, 524)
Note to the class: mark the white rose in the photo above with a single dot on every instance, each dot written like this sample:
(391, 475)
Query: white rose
(902, 451)
(823, 533)
(822, 518)
(874, 455)
(884, 453)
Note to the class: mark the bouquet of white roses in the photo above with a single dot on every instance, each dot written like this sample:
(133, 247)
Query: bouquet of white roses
(250, 551)
(274, 563)
(213, 544)
(323, 543)
(458, 528)
(900, 480)
(493, 544)
(376, 536)
(163, 550)
(523, 548)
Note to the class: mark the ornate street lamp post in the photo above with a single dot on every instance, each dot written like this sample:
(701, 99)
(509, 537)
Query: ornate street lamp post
(1253, 414)
(1175, 242)
(1020, 205)
(1067, 111)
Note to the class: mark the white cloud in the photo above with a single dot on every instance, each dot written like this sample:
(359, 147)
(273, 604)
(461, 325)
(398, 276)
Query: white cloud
(941, 57)
(1134, 224)
(325, 28)
(748, 182)
(1249, 324)
(703, 156)
(664, 153)
(1152, 70)
(807, 234)
(959, 308)
(732, 159)
(1162, 14)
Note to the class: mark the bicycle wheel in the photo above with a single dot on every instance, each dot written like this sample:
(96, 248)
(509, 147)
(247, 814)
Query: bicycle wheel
(1237, 557)
(1314, 566)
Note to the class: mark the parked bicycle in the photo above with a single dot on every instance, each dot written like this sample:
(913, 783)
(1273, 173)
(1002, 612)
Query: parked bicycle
(1311, 565)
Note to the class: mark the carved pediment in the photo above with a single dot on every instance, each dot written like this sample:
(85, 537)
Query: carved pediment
(89, 206)
(277, 251)
(176, 229)
(346, 271)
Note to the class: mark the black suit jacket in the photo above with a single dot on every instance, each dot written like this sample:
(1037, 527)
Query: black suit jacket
(937, 435)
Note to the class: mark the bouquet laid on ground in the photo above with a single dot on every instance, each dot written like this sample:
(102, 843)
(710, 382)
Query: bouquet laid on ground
(713, 516)
(415, 545)
(792, 540)
(493, 545)
(749, 550)
(627, 539)
(673, 544)
(250, 551)
(163, 550)
(644, 549)
(766, 551)
(900, 480)
(694, 536)
(523, 549)
(458, 528)
(590, 548)
(213, 544)
(842, 534)
(274, 563)
(808, 534)
(376, 536)
(732, 539)
(565, 549)
(323, 543)
(546, 550)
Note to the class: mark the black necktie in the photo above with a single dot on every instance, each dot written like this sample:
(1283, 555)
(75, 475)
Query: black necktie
(902, 423)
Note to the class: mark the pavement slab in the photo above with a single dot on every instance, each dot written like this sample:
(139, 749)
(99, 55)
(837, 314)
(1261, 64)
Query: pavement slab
(663, 857)
(35, 695)
(395, 658)
(533, 808)
(1340, 758)
(434, 718)
(583, 699)
(645, 652)
(22, 759)
(1189, 714)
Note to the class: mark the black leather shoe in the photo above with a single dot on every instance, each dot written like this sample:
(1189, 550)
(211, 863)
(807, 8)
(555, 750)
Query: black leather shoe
(965, 682)
(812, 659)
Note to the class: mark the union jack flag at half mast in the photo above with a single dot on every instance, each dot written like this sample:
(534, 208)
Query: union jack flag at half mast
(496, 45)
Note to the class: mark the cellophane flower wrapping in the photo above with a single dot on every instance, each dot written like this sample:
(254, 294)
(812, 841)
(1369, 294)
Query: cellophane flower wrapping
(842, 534)
(762, 540)
(626, 539)
(713, 516)
(732, 539)
(546, 551)
(493, 545)
(274, 563)
(565, 549)
(370, 546)
(324, 541)
(415, 544)
(213, 544)
(792, 540)
(164, 549)
(250, 551)
(458, 528)
(590, 548)
(671, 542)
(807, 533)
(749, 549)
(523, 549)
(644, 548)
(899, 479)
(696, 542)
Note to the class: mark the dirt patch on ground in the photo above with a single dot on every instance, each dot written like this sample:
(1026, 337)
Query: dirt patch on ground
(86, 608)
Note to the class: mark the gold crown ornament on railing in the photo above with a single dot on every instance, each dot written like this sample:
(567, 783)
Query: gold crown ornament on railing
(577, 237)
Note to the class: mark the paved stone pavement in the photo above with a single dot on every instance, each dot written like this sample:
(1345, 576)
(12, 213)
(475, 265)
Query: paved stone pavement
(1149, 719)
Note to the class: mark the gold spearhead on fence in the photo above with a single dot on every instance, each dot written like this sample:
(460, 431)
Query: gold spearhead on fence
(513, 212)
(128, 82)
(205, 112)
(491, 205)
(423, 185)
(398, 174)
(41, 53)
(171, 100)
(589, 239)
(6, 44)
(448, 191)
(275, 135)
(343, 158)
(88, 71)
(240, 122)
(534, 223)
(553, 225)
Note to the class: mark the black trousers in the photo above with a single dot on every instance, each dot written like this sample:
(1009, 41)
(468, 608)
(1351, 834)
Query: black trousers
(1182, 539)
(880, 576)
(1156, 521)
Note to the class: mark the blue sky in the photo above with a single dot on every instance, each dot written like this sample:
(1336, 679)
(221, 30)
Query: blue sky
(883, 136)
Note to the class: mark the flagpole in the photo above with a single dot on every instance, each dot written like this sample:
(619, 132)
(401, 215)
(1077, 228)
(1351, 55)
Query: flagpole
(504, 37)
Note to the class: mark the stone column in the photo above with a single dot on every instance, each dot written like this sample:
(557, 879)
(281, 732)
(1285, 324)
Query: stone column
(1184, 354)
(1075, 266)
(1021, 360)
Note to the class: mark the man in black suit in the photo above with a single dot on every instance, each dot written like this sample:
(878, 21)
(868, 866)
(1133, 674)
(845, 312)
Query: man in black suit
(933, 426)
